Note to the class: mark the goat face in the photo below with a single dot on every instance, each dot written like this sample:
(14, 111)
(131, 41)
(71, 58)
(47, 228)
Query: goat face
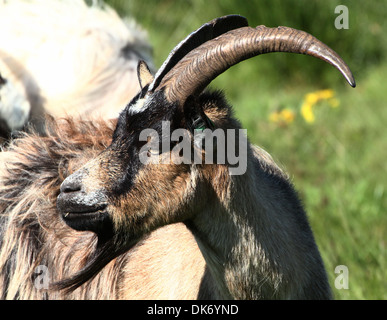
(118, 188)
(120, 197)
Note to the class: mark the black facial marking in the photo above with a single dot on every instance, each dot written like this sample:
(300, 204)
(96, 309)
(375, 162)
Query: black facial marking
(126, 143)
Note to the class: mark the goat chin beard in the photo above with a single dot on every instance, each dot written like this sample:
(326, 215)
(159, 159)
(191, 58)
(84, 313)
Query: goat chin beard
(106, 250)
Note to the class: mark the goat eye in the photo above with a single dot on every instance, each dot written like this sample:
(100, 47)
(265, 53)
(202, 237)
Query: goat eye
(199, 124)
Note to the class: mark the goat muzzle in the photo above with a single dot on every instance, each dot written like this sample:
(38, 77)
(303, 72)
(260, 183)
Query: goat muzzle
(83, 211)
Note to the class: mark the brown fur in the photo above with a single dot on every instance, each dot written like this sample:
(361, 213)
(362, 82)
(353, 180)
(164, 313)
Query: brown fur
(166, 265)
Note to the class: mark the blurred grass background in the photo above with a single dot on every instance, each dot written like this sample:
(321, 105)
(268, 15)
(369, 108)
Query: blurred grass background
(337, 163)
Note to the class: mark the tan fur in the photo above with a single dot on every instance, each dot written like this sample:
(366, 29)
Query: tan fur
(157, 268)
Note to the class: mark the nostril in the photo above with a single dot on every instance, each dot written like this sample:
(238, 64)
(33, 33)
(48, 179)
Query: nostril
(70, 186)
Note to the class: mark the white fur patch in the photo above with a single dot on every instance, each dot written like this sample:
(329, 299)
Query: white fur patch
(140, 106)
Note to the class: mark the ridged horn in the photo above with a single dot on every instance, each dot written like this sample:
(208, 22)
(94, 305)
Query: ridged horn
(206, 32)
(192, 74)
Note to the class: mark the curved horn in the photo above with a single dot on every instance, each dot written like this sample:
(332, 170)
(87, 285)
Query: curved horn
(198, 68)
(206, 32)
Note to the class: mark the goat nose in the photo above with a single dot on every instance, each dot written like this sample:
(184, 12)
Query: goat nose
(70, 184)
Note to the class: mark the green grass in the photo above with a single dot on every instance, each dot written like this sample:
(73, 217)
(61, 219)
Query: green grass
(338, 163)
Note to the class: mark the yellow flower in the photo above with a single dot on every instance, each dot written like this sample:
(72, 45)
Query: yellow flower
(307, 112)
(288, 115)
(284, 116)
(325, 94)
(311, 99)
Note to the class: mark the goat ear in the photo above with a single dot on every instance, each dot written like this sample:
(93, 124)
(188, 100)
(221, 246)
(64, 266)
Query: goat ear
(144, 75)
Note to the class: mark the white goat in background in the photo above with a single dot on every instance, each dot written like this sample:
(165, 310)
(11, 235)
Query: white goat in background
(14, 107)
(68, 58)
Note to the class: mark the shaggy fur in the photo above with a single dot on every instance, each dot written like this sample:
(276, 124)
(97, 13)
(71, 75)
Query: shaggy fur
(32, 233)
(69, 58)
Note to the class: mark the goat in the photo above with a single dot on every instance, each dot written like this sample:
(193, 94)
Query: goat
(69, 58)
(14, 107)
(33, 237)
(251, 228)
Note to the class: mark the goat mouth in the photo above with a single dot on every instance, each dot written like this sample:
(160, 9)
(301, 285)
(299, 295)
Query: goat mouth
(96, 220)
(90, 214)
